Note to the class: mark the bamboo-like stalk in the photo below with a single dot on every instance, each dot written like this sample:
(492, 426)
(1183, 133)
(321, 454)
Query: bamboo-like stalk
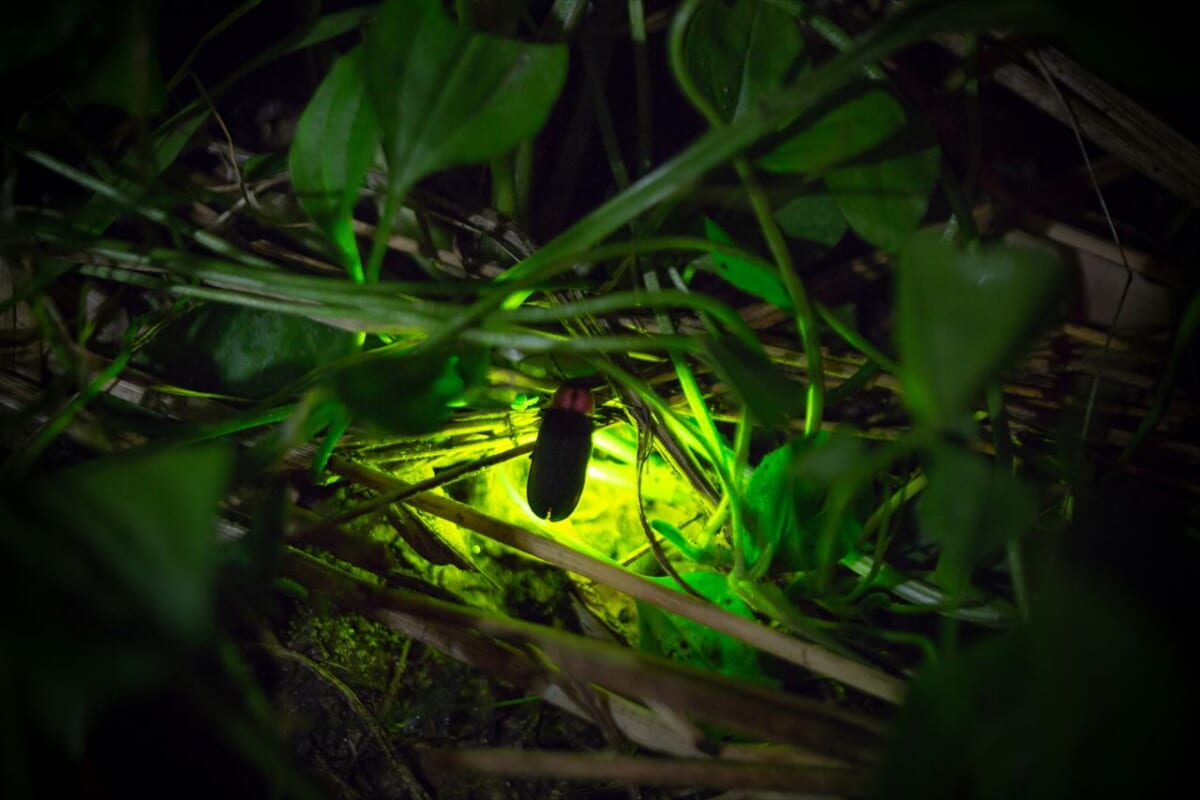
(578, 662)
(810, 656)
(641, 771)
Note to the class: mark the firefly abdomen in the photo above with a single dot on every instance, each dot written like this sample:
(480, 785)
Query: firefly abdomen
(561, 454)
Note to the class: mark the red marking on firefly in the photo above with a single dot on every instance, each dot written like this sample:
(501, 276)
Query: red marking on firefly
(573, 398)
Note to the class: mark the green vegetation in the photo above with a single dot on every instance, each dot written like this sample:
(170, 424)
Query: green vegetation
(269, 398)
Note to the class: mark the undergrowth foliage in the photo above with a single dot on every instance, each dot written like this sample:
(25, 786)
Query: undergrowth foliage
(256, 385)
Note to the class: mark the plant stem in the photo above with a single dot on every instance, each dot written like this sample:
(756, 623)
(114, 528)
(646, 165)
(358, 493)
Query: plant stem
(22, 459)
(806, 320)
(721, 144)
(504, 190)
(641, 71)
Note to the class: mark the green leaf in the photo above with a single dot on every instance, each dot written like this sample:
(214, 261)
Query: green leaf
(262, 166)
(411, 393)
(963, 312)
(111, 575)
(851, 128)
(306, 420)
(749, 277)
(139, 168)
(335, 142)
(772, 398)
(446, 96)
(321, 29)
(971, 508)
(736, 53)
(814, 217)
(1018, 715)
(675, 537)
(244, 351)
(691, 643)
(884, 199)
(142, 526)
(786, 503)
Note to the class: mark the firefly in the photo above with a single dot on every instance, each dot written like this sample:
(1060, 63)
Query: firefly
(561, 454)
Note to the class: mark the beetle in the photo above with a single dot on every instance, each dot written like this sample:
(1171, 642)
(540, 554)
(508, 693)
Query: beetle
(561, 454)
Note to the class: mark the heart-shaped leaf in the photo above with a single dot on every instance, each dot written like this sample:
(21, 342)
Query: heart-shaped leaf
(243, 351)
(751, 278)
(446, 95)
(814, 217)
(854, 126)
(735, 53)
(963, 312)
(884, 198)
(411, 393)
(335, 141)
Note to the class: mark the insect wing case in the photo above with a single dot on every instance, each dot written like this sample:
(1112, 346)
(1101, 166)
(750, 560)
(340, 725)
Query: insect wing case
(561, 454)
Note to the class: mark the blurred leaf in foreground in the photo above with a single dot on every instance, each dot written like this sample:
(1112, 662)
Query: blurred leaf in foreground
(963, 313)
(112, 574)
(1088, 700)
(971, 508)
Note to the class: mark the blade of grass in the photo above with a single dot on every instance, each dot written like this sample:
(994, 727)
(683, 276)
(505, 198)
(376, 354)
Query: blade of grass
(214, 243)
(21, 460)
(1184, 335)
(224, 24)
(806, 321)
(718, 146)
